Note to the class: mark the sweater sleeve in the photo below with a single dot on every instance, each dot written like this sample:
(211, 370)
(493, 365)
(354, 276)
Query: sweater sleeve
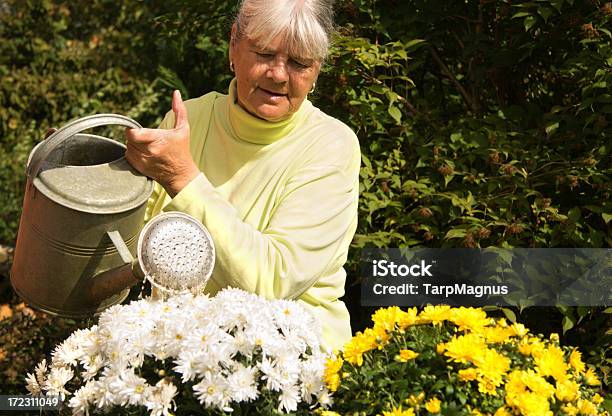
(307, 236)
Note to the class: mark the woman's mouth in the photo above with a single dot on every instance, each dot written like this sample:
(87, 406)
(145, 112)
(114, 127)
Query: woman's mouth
(272, 95)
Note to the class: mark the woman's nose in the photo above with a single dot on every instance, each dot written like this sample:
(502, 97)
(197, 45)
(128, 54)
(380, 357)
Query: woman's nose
(278, 71)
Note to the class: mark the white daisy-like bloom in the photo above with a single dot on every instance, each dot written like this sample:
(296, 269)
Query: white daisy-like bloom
(91, 364)
(289, 398)
(233, 348)
(130, 389)
(271, 374)
(32, 384)
(82, 399)
(160, 399)
(311, 381)
(57, 379)
(189, 364)
(242, 383)
(69, 352)
(212, 390)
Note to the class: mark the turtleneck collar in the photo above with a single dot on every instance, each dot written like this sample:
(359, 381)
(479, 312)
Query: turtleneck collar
(258, 131)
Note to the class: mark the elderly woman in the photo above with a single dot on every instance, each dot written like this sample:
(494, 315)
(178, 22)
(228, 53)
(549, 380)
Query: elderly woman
(273, 178)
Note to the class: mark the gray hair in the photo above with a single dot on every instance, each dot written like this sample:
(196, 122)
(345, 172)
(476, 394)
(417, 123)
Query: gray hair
(306, 25)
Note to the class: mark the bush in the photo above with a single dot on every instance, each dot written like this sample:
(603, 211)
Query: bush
(457, 361)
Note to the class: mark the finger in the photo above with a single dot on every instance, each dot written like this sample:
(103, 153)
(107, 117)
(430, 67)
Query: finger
(143, 136)
(180, 112)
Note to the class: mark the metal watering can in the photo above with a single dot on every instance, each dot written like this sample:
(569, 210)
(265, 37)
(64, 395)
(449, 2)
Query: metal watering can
(82, 213)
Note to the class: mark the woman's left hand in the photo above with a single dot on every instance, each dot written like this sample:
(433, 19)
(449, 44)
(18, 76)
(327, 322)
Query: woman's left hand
(163, 155)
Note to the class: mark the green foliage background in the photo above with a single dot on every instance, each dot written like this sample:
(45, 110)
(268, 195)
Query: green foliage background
(481, 123)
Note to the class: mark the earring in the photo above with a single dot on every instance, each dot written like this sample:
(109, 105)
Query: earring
(314, 84)
(231, 66)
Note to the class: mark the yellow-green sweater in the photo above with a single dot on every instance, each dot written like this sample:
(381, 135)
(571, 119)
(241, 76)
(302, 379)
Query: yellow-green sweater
(279, 200)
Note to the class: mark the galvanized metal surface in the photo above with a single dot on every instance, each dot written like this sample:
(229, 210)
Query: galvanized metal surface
(79, 188)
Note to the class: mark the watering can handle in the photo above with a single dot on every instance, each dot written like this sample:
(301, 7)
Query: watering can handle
(69, 130)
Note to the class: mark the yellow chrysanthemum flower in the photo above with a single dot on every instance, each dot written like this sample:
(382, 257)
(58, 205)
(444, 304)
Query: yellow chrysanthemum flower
(398, 411)
(492, 365)
(386, 317)
(575, 360)
(537, 347)
(406, 355)
(415, 401)
(591, 378)
(486, 386)
(361, 343)
(570, 409)
(519, 330)
(330, 375)
(465, 348)
(567, 390)
(531, 404)
(524, 347)
(502, 411)
(440, 348)
(552, 363)
(496, 334)
(537, 384)
(328, 413)
(470, 319)
(433, 405)
(587, 408)
(407, 318)
(597, 399)
(380, 334)
(467, 374)
(435, 315)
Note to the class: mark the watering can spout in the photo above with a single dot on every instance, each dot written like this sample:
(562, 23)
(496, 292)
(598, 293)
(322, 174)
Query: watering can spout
(111, 282)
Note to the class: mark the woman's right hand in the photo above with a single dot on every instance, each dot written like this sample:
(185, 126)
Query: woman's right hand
(163, 155)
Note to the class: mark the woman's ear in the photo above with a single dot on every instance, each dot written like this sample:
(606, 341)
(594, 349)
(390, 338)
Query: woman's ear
(233, 35)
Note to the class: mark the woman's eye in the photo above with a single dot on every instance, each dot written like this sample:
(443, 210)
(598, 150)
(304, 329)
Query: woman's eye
(264, 54)
(300, 64)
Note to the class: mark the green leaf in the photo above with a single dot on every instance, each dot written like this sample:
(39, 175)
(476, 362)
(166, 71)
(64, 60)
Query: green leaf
(529, 22)
(552, 128)
(606, 217)
(395, 113)
(521, 14)
(454, 233)
(509, 313)
(574, 214)
(414, 43)
(567, 324)
(545, 12)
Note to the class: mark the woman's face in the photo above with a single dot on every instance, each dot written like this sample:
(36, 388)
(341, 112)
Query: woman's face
(271, 84)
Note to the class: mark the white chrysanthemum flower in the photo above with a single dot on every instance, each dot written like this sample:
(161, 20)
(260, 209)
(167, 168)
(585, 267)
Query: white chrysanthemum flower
(57, 379)
(242, 383)
(212, 391)
(189, 364)
(32, 384)
(82, 399)
(288, 399)
(68, 353)
(130, 389)
(92, 364)
(271, 374)
(160, 399)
